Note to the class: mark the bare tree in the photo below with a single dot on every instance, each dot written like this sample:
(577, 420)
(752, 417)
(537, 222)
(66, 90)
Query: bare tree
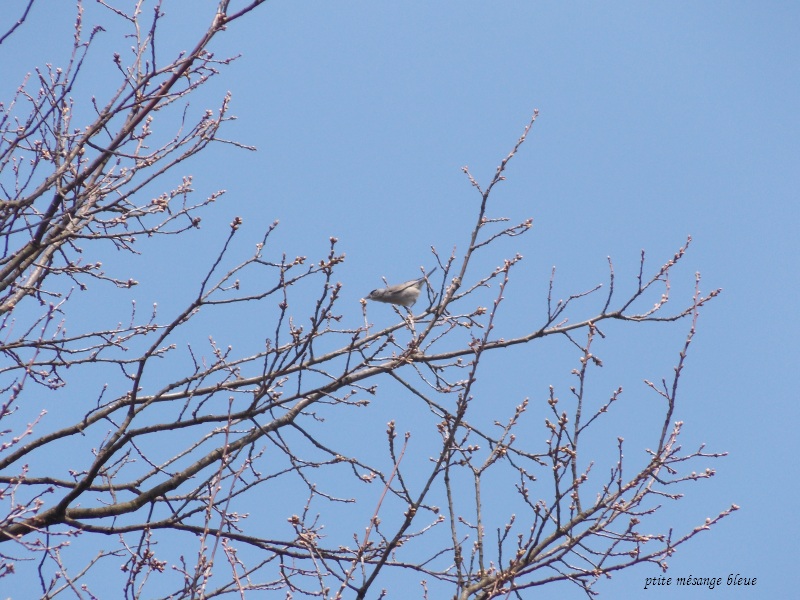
(165, 473)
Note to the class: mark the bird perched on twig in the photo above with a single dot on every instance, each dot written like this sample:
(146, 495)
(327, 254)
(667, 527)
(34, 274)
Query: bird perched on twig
(404, 294)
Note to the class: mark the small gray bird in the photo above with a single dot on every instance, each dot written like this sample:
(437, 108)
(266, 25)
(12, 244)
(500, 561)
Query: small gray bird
(404, 294)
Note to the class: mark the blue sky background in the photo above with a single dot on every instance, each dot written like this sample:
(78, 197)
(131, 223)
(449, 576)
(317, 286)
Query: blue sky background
(657, 121)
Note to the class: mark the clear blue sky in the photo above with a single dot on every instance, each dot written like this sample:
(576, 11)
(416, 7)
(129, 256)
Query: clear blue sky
(656, 121)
